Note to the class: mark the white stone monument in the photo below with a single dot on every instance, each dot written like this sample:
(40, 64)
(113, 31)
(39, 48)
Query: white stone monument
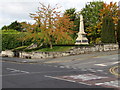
(81, 39)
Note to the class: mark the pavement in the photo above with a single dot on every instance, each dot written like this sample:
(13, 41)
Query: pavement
(59, 59)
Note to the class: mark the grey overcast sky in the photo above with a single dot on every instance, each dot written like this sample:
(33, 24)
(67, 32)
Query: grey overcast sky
(11, 10)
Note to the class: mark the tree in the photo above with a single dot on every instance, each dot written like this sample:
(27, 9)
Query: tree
(4, 27)
(71, 13)
(92, 20)
(110, 10)
(108, 30)
(118, 33)
(10, 39)
(14, 25)
(62, 31)
(75, 18)
(29, 33)
(49, 27)
(94, 34)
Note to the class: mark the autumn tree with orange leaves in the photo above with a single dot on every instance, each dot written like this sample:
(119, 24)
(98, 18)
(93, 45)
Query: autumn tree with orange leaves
(50, 26)
(29, 33)
(109, 11)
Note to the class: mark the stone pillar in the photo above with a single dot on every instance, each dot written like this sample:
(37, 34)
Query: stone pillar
(81, 39)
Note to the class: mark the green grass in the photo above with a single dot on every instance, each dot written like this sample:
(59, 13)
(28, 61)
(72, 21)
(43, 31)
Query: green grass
(60, 48)
(47, 49)
(19, 48)
(55, 49)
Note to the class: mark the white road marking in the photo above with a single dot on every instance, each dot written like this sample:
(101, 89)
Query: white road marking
(58, 78)
(62, 67)
(10, 69)
(110, 83)
(74, 68)
(100, 70)
(67, 66)
(85, 83)
(24, 61)
(92, 70)
(66, 80)
(86, 77)
(16, 70)
(13, 74)
(24, 71)
(87, 63)
(106, 64)
(100, 64)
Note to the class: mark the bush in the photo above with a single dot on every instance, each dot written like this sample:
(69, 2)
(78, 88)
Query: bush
(10, 39)
(118, 32)
(108, 31)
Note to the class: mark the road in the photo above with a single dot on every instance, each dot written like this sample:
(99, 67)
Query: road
(79, 71)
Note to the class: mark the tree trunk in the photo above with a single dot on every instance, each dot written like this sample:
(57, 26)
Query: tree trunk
(51, 46)
(119, 45)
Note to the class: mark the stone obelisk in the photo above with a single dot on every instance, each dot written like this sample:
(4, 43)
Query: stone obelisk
(81, 39)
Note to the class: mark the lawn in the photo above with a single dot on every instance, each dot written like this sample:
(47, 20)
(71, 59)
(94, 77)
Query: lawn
(55, 49)
(45, 49)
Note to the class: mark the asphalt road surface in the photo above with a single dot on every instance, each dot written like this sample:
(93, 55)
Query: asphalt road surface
(80, 71)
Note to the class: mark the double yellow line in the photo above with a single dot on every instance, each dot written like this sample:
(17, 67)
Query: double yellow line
(112, 70)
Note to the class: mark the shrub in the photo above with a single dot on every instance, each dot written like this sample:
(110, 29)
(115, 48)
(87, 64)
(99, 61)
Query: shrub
(108, 31)
(10, 39)
(118, 32)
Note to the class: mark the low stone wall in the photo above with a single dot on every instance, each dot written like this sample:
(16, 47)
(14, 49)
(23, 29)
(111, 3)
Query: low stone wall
(73, 51)
(7, 53)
